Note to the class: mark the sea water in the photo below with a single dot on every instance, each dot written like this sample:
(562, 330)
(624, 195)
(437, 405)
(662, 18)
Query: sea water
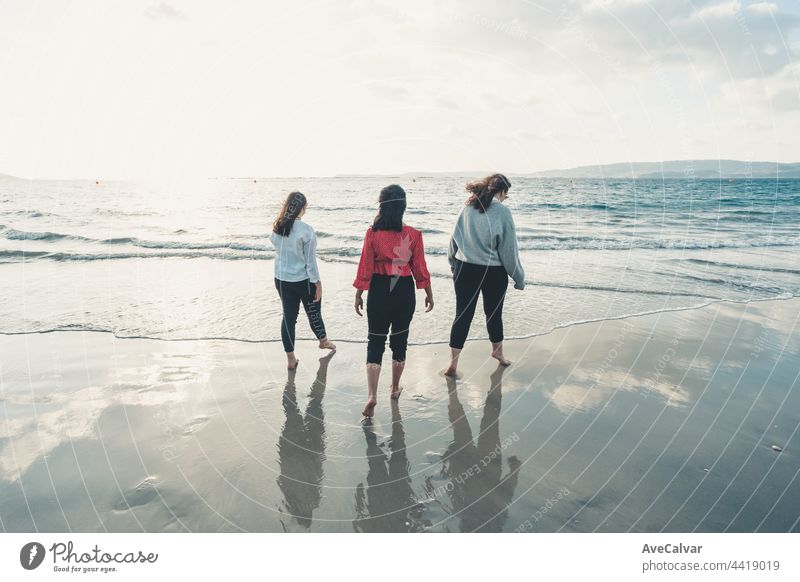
(193, 259)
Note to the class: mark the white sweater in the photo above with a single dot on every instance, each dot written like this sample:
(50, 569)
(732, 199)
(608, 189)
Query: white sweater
(296, 254)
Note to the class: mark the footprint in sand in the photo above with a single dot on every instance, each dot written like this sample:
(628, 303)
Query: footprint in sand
(265, 388)
(177, 374)
(142, 494)
(194, 425)
(433, 456)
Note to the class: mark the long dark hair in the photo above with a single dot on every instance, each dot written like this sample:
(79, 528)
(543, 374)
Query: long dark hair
(290, 210)
(484, 190)
(392, 207)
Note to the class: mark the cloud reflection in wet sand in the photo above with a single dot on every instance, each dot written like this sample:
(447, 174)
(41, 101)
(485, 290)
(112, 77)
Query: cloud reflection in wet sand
(44, 421)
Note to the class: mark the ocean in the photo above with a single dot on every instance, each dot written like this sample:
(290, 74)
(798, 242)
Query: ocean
(193, 260)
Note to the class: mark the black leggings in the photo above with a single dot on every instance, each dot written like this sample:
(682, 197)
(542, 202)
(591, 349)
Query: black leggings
(390, 302)
(470, 280)
(292, 294)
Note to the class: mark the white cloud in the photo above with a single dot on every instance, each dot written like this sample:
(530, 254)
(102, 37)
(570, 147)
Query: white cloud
(333, 87)
(726, 39)
(164, 10)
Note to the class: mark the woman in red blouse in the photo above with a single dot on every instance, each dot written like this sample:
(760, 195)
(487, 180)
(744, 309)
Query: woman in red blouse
(392, 260)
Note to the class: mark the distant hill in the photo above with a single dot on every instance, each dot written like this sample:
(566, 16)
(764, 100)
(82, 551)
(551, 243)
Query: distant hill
(682, 169)
(701, 169)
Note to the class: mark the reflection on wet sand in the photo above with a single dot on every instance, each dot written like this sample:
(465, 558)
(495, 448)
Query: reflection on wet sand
(123, 435)
(479, 494)
(388, 503)
(301, 449)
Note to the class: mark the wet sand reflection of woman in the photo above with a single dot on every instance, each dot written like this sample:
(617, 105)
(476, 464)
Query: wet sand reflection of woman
(388, 502)
(479, 494)
(301, 449)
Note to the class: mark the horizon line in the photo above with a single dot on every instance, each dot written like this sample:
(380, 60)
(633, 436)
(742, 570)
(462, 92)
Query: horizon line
(408, 173)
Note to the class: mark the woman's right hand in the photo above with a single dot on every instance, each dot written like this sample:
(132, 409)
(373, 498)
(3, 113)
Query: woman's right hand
(359, 303)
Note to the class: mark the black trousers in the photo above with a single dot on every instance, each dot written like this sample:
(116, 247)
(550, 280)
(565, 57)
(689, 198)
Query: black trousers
(390, 305)
(470, 280)
(292, 294)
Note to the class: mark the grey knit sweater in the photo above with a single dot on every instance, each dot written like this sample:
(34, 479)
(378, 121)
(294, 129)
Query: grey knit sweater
(487, 238)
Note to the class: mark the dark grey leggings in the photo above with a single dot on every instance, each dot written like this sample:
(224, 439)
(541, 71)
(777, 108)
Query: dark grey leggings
(470, 280)
(292, 294)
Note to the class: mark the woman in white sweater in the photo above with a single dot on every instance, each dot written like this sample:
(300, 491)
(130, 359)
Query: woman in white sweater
(483, 254)
(296, 274)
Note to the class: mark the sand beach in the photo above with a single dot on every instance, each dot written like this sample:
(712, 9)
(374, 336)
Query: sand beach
(675, 421)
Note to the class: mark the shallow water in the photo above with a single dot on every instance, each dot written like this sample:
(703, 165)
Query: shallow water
(194, 260)
(658, 423)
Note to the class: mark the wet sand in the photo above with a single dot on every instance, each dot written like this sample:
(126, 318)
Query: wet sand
(664, 422)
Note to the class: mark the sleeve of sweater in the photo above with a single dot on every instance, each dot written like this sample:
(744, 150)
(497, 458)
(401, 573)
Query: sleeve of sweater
(310, 252)
(453, 247)
(451, 253)
(509, 253)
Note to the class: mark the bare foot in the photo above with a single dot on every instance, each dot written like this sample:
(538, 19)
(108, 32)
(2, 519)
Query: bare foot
(451, 371)
(327, 344)
(498, 355)
(396, 392)
(369, 409)
(293, 363)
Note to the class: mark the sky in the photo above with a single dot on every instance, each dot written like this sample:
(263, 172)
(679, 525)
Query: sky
(113, 89)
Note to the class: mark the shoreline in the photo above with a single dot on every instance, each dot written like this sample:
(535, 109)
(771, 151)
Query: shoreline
(310, 339)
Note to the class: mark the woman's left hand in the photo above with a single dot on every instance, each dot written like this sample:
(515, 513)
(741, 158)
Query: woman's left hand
(359, 304)
(428, 300)
(318, 294)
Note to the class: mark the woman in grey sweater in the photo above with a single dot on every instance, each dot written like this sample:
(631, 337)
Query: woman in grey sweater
(483, 255)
